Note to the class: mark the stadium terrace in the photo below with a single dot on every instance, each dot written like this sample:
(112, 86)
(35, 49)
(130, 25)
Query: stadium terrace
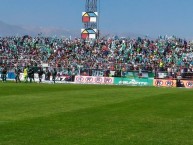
(105, 57)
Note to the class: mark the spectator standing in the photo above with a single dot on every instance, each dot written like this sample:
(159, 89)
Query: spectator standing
(17, 74)
(25, 73)
(40, 74)
(47, 74)
(30, 71)
(4, 74)
(54, 73)
(1, 71)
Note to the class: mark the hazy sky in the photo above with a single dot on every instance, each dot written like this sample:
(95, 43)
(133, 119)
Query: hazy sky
(148, 17)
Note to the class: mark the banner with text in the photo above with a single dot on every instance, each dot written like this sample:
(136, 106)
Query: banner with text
(187, 83)
(93, 80)
(133, 82)
(164, 83)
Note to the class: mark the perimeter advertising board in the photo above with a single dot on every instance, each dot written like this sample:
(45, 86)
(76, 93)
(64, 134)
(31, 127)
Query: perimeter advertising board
(136, 75)
(187, 83)
(133, 82)
(9, 76)
(164, 83)
(93, 80)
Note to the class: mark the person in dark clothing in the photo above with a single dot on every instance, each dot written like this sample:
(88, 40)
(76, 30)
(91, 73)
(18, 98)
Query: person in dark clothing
(47, 75)
(54, 73)
(17, 74)
(4, 74)
(40, 74)
(30, 73)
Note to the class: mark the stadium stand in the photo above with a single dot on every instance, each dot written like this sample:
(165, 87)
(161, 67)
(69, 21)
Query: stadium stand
(172, 56)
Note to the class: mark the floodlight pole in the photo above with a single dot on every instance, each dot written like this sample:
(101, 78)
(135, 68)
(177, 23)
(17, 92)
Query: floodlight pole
(92, 6)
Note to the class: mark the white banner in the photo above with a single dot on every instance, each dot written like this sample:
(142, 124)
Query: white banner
(36, 78)
(93, 80)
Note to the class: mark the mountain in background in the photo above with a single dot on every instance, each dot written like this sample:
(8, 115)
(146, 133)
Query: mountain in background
(15, 30)
(10, 30)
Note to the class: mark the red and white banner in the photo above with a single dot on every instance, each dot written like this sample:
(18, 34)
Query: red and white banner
(164, 83)
(93, 80)
(187, 83)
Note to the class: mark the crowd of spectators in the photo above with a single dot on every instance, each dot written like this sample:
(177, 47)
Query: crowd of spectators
(163, 54)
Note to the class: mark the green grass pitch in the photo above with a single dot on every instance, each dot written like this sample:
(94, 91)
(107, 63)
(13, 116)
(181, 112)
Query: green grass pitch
(44, 114)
